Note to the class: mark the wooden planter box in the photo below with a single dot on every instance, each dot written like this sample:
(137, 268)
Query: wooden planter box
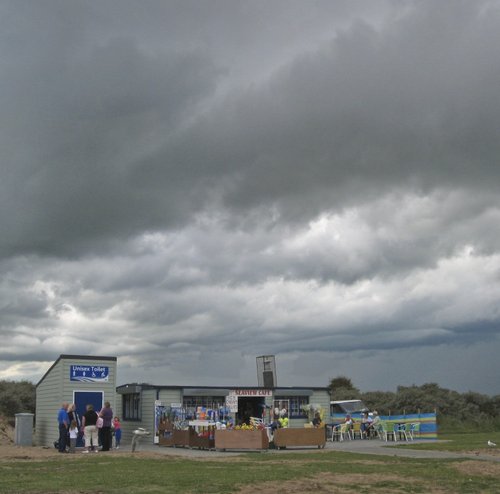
(202, 442)
(165, 438)
(180, 438)
(284, 438)
(173, 438)
(165, 431)
(235, 439)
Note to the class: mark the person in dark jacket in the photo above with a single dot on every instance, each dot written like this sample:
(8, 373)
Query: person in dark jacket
(107, 417)
(89, 428)
(63, 421)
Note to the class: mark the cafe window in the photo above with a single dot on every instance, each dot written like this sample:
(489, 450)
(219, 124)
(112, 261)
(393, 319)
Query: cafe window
(131, 406)
(295, 404)
(191, 403)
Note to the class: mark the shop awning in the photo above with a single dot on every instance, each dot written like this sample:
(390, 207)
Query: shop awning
(292, 392)
(129, 389)
(205, 392)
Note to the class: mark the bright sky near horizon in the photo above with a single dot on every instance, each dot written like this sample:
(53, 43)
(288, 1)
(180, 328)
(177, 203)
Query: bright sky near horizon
(189, 184)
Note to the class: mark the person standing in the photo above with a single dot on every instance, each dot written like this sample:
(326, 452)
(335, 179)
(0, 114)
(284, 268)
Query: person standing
(118, 432)
(63, 420)
(89, 421)
(107, 417)
(73, 415)
(73, 435)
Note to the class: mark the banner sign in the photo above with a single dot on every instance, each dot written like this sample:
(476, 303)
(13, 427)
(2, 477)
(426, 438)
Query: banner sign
(252, 392)
(89, 373)
(232, 403)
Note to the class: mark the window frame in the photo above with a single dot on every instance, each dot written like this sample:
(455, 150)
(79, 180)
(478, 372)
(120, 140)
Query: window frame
(191, 402)
(295, 405)
(131, 407)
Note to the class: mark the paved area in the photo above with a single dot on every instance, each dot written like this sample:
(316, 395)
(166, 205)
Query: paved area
(376, 447)
(371, 447)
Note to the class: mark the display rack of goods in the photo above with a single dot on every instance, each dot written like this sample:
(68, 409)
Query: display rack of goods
(241, 439)
(284, 438)
(201, 434)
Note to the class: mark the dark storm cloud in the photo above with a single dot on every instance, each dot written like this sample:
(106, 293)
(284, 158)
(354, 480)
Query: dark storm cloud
(370, 112)
(112, 146)
(94, 104)
(80, 113)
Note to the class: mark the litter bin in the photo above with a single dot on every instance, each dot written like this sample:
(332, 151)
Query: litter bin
(24, 429)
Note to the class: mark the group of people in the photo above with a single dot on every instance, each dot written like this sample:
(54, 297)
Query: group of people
(97, 428)
(369, 423)
(280, 419)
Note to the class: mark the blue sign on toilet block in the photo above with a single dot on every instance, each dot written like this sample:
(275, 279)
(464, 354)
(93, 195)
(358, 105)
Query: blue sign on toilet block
(89, 373)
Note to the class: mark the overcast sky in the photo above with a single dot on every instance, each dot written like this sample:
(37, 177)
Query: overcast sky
(187, 185)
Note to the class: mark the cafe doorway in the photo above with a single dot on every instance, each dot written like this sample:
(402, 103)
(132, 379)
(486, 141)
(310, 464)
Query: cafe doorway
(249, 406)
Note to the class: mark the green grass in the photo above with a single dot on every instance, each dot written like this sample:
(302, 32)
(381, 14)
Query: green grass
(330, 470)
(463, 441)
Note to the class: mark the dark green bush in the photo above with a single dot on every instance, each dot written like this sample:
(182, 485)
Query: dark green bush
(17, 397)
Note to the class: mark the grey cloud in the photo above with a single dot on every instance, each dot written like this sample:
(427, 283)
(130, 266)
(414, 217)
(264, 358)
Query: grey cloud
(370, 110)
(78, 118)
(352, 122)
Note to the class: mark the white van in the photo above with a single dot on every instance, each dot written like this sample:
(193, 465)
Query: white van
(347, 407)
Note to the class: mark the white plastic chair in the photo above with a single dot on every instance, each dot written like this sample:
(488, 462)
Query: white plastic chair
(341, 431)
(357, 431)
(403, 431)
(413, 429)
(394, 432)
(399, 432)
(381, 431)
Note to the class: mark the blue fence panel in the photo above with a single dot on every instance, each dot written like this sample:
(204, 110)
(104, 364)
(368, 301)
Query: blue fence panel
(427, 422)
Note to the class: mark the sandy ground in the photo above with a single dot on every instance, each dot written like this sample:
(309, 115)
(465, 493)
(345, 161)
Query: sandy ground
(9, 451)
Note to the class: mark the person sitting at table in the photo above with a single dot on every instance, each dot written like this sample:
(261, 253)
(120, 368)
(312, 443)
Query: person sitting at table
(349, 421)
(316, 421)
(366, 421)
(375, 424)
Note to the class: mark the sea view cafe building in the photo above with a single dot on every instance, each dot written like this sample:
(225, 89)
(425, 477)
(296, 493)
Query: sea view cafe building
(92, 379)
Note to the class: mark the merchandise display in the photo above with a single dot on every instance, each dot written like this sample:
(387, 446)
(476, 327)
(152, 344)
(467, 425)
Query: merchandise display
(181, 428)
(214, 429)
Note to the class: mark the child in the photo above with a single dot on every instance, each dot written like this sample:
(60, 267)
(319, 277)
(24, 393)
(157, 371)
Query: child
(118, 432)
(73, 434)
